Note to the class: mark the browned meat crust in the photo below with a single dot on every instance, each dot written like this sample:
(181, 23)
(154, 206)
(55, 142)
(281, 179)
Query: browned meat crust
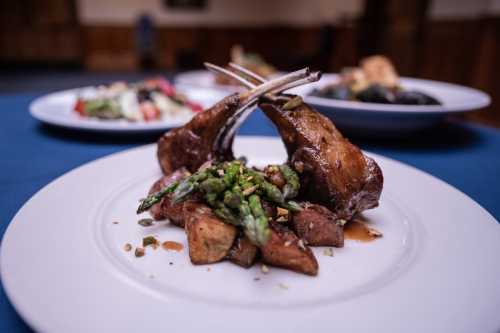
(285, 250)
(156, 211)
(243, 252)
(317, 226)
(209, 239)
(192, 144)
(333, 172)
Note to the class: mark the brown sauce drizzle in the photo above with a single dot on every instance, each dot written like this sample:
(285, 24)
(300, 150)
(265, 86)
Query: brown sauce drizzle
(172, 246)
(359, 231)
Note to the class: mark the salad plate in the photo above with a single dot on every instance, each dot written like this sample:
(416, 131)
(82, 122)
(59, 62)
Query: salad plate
(65, 264)
(377, 119)
(58, 109)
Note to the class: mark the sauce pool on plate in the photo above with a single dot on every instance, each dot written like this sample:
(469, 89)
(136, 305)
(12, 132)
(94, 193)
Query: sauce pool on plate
(359, 231)
(172, 246)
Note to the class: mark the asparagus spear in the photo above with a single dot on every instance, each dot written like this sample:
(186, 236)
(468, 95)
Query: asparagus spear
(261, 228)
(190, 184)
(248, 222)
(291, 188)
(233, 198)
(272, 192)
(213, 185)
(211, 198)
(231, 172)
(224, 213)
(156, 197)
(292, 206)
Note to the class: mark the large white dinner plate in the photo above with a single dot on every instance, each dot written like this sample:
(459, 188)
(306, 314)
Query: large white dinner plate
(57, 109)
(65, 270)
(386, 119)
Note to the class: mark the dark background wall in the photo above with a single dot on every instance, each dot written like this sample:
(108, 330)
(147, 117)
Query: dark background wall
(464, 50)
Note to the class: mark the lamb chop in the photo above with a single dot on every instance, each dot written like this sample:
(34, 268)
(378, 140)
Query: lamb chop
(333, 171)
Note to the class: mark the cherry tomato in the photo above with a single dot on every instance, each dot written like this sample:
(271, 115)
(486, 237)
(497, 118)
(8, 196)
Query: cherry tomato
(166, 87)
(80, 107)
(195, 107)
(149, 111)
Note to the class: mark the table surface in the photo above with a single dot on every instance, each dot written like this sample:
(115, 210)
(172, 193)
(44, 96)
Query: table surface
(32, 155)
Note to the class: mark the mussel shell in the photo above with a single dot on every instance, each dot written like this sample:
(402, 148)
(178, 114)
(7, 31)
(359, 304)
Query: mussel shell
(376, 94)
(411, 97)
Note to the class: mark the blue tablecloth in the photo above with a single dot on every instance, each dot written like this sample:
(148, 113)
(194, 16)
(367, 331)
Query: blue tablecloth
(32, 155)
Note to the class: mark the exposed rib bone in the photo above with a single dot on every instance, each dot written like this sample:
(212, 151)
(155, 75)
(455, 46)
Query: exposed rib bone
(220, 70)
(276, 83)
(249, 98)
(247, 72)
(311, 78)
(264, 88)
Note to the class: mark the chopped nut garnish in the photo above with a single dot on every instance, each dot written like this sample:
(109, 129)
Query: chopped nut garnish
(264, 269)
(301, 244)
(374, 232)
(249, 190)
(127, 247)
(283, 286)
(282, 219)
(139, 252)
(150, 240)
(288, 243)
(281, 211)
(146, 222)
(328, 252)
(341, 222)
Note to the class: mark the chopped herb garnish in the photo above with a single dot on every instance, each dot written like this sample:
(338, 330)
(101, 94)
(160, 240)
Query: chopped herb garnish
(146, 222)
(150, 240)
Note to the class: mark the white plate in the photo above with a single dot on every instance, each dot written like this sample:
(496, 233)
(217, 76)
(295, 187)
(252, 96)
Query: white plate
(376, 119)
(64, 268)
(57, 109)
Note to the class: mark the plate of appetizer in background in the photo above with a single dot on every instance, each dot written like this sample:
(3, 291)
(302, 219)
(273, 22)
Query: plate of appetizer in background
(147, 106)
(373, 100)
(250, 61)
